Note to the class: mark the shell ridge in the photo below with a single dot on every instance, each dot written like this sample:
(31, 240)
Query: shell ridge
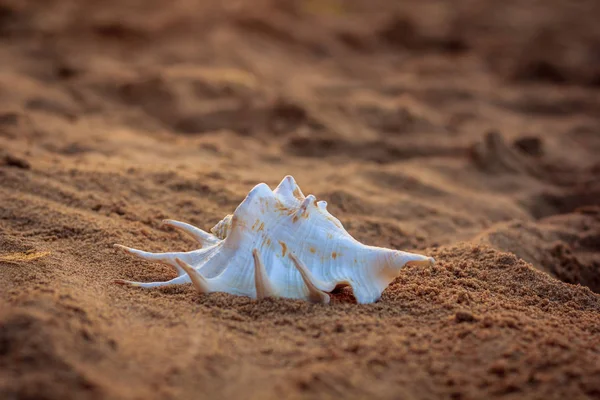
(237, 274)
(330, 276)
(317, 268)
(210, 266)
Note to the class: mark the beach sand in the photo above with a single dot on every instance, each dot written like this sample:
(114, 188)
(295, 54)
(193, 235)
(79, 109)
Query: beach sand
(466, 131)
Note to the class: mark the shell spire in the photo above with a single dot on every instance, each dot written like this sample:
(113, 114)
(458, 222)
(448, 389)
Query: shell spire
(282, 243)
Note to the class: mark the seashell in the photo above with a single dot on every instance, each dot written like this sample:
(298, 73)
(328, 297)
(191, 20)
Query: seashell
(283, 244)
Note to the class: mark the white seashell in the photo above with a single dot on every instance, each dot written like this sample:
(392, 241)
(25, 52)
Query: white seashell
(283, 244)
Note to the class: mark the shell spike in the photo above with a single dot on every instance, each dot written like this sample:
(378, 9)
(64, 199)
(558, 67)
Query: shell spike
(260, 190)
(166, 258)
(145, 255)
(261, 279)
(288, 191)
(150, 285)
(384, 267)
(199, 282)
(315, 295)
(403, 258)
(202, 237)
(258, 194)
(302, 211)
(390, 262)
(286, 186)
(310, 199)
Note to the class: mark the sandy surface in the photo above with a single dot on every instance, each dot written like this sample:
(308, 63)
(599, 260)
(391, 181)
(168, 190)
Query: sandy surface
(464, 131)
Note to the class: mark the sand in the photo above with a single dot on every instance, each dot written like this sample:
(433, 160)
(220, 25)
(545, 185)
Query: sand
(460, 131)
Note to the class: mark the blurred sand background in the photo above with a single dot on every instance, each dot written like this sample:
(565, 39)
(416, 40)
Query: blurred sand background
(466, 130)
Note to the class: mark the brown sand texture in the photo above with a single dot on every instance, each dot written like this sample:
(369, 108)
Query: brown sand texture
(465, 130)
